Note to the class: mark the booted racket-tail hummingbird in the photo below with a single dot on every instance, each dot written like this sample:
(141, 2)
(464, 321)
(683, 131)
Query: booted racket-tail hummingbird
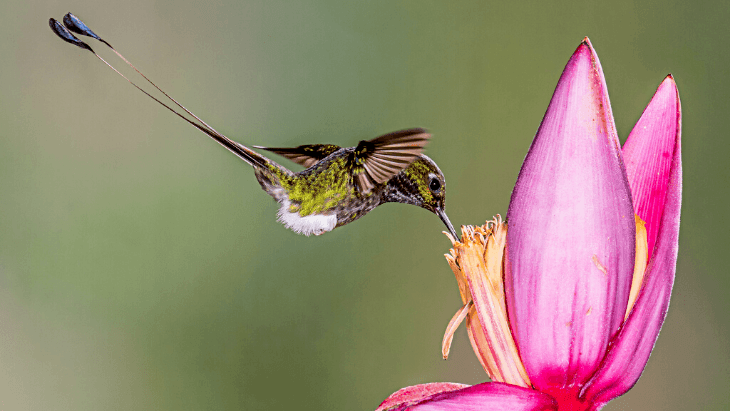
(339, 185)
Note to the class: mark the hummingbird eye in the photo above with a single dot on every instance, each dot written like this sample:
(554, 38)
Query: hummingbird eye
(435, 184)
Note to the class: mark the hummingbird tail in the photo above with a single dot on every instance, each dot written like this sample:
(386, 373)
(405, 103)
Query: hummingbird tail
(71, 23)
(244, 153)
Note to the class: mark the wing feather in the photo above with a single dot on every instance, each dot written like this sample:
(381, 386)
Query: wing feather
(385, 156)
(306, 155)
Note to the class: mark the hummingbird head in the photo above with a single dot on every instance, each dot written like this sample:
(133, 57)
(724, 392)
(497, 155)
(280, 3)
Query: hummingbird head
(422, 184)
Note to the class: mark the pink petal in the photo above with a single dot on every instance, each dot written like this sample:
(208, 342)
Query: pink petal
(493, 396)
(632, 346)
(411, 395)
(571, 235)
(648, 153)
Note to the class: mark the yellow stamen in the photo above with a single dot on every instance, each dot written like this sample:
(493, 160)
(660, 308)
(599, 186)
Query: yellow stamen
(640, 261)
(477, 265)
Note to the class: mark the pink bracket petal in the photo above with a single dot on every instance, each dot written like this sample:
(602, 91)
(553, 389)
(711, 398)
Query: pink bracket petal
(632, 346)
(414, 394)
(648, 155)
(492, 396)
(571, 237)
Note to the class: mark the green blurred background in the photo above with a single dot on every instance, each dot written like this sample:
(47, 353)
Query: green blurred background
(141, 266)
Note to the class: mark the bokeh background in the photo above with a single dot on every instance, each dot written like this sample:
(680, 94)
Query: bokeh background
(141, 266)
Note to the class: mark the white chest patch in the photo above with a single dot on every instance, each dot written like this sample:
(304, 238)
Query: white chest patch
(307, 225)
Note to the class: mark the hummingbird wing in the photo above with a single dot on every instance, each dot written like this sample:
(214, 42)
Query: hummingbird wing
(378, 160)
(305, 155)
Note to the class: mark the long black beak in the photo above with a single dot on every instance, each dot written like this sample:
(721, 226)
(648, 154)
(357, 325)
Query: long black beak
(442, 214)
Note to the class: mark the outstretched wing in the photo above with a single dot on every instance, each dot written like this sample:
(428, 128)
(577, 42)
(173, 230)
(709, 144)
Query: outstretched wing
(305, 155)
(378, 160)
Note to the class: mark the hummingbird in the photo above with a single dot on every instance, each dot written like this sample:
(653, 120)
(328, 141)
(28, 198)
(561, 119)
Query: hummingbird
(339, 184)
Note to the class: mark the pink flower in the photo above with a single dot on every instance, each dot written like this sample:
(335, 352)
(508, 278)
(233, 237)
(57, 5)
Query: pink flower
(563, 306)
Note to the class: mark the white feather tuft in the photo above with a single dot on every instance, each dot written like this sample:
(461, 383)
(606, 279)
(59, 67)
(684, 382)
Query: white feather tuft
(311, 224)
